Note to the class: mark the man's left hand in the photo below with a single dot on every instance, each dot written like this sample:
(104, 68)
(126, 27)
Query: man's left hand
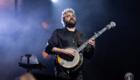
(92, 42)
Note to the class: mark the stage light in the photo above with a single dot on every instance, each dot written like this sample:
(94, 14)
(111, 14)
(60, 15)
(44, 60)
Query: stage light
(45, 55)
(54, 0)
(45, 25)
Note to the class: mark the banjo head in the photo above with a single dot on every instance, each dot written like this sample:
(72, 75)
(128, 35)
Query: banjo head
(67, 62)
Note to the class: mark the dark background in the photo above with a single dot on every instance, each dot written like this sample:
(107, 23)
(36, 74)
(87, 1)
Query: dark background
(117, 50)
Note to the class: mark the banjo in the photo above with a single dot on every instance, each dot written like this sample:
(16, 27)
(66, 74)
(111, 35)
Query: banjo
(72, 64)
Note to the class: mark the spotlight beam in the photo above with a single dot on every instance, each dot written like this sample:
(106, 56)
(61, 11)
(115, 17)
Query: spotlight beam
(54, 0)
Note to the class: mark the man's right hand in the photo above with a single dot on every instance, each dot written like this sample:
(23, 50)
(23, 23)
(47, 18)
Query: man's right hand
(69, 53)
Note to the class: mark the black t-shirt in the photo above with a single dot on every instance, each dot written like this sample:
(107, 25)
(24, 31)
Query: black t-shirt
(63, 38)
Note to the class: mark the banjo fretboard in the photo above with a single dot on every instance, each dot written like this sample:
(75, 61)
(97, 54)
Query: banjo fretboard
(112, 24)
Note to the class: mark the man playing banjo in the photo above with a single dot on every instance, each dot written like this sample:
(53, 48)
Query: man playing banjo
(69, 37)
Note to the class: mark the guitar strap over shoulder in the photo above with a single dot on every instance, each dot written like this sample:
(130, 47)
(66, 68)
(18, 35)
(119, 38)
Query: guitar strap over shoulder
(78, 38)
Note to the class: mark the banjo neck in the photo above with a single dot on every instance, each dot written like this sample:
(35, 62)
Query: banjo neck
(112, 24)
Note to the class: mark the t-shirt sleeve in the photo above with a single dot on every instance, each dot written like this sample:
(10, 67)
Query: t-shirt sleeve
(52, 42)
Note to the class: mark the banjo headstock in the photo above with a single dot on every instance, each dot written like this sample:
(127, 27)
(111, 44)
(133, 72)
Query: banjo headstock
(111, 25)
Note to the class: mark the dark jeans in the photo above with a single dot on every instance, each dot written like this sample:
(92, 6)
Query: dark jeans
(77, 75)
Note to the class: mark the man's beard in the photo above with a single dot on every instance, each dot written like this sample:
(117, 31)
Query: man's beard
(70, 24)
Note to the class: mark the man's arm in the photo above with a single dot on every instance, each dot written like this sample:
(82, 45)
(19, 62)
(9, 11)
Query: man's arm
(57, 50)
(52, 42)
(90, 53)
(51, 47)
(89, 50)
(63, 51)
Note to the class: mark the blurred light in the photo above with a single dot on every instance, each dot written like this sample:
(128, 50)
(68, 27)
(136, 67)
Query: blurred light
(54, 0)
(27, 76)
(45, 25)
(45, 55)
(7, 5)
